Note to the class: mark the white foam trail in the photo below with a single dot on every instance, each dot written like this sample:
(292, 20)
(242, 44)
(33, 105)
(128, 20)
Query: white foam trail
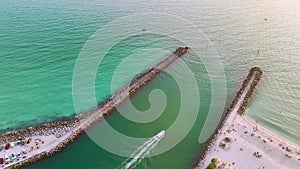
(142, 151)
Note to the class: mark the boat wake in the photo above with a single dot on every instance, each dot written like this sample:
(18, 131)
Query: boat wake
(142, 151)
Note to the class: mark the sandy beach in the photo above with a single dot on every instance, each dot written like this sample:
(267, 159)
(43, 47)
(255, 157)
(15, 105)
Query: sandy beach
(250, 146)
(243, 144)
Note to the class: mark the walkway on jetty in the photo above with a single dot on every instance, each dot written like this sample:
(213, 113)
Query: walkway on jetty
(133, 87)
(242, 143)
(23, 147)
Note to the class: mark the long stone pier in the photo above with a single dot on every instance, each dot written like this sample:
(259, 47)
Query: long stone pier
(236, 108)
(23, 147)
(240, 142)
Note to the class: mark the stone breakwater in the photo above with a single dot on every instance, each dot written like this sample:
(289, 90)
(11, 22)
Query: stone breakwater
(57, 128)
(240, 142)
(239, 104)
(59, 134)
(257, 73)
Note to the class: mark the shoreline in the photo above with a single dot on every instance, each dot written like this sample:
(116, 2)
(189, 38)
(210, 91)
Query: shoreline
(229, 110)
(250, 146)
(22, 147)
(241, 143)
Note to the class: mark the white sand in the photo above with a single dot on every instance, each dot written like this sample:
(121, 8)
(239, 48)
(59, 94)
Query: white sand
(247, 137)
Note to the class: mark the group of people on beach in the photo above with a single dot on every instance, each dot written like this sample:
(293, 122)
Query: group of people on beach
(256, 154)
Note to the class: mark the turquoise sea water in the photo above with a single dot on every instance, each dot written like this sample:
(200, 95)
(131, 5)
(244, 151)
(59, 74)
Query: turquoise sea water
(40, 42)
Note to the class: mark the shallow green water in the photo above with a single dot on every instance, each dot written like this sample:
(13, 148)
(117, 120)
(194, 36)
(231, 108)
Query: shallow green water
(40, 42)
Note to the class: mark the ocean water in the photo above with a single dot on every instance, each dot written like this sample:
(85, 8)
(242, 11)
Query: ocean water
(41, 40)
